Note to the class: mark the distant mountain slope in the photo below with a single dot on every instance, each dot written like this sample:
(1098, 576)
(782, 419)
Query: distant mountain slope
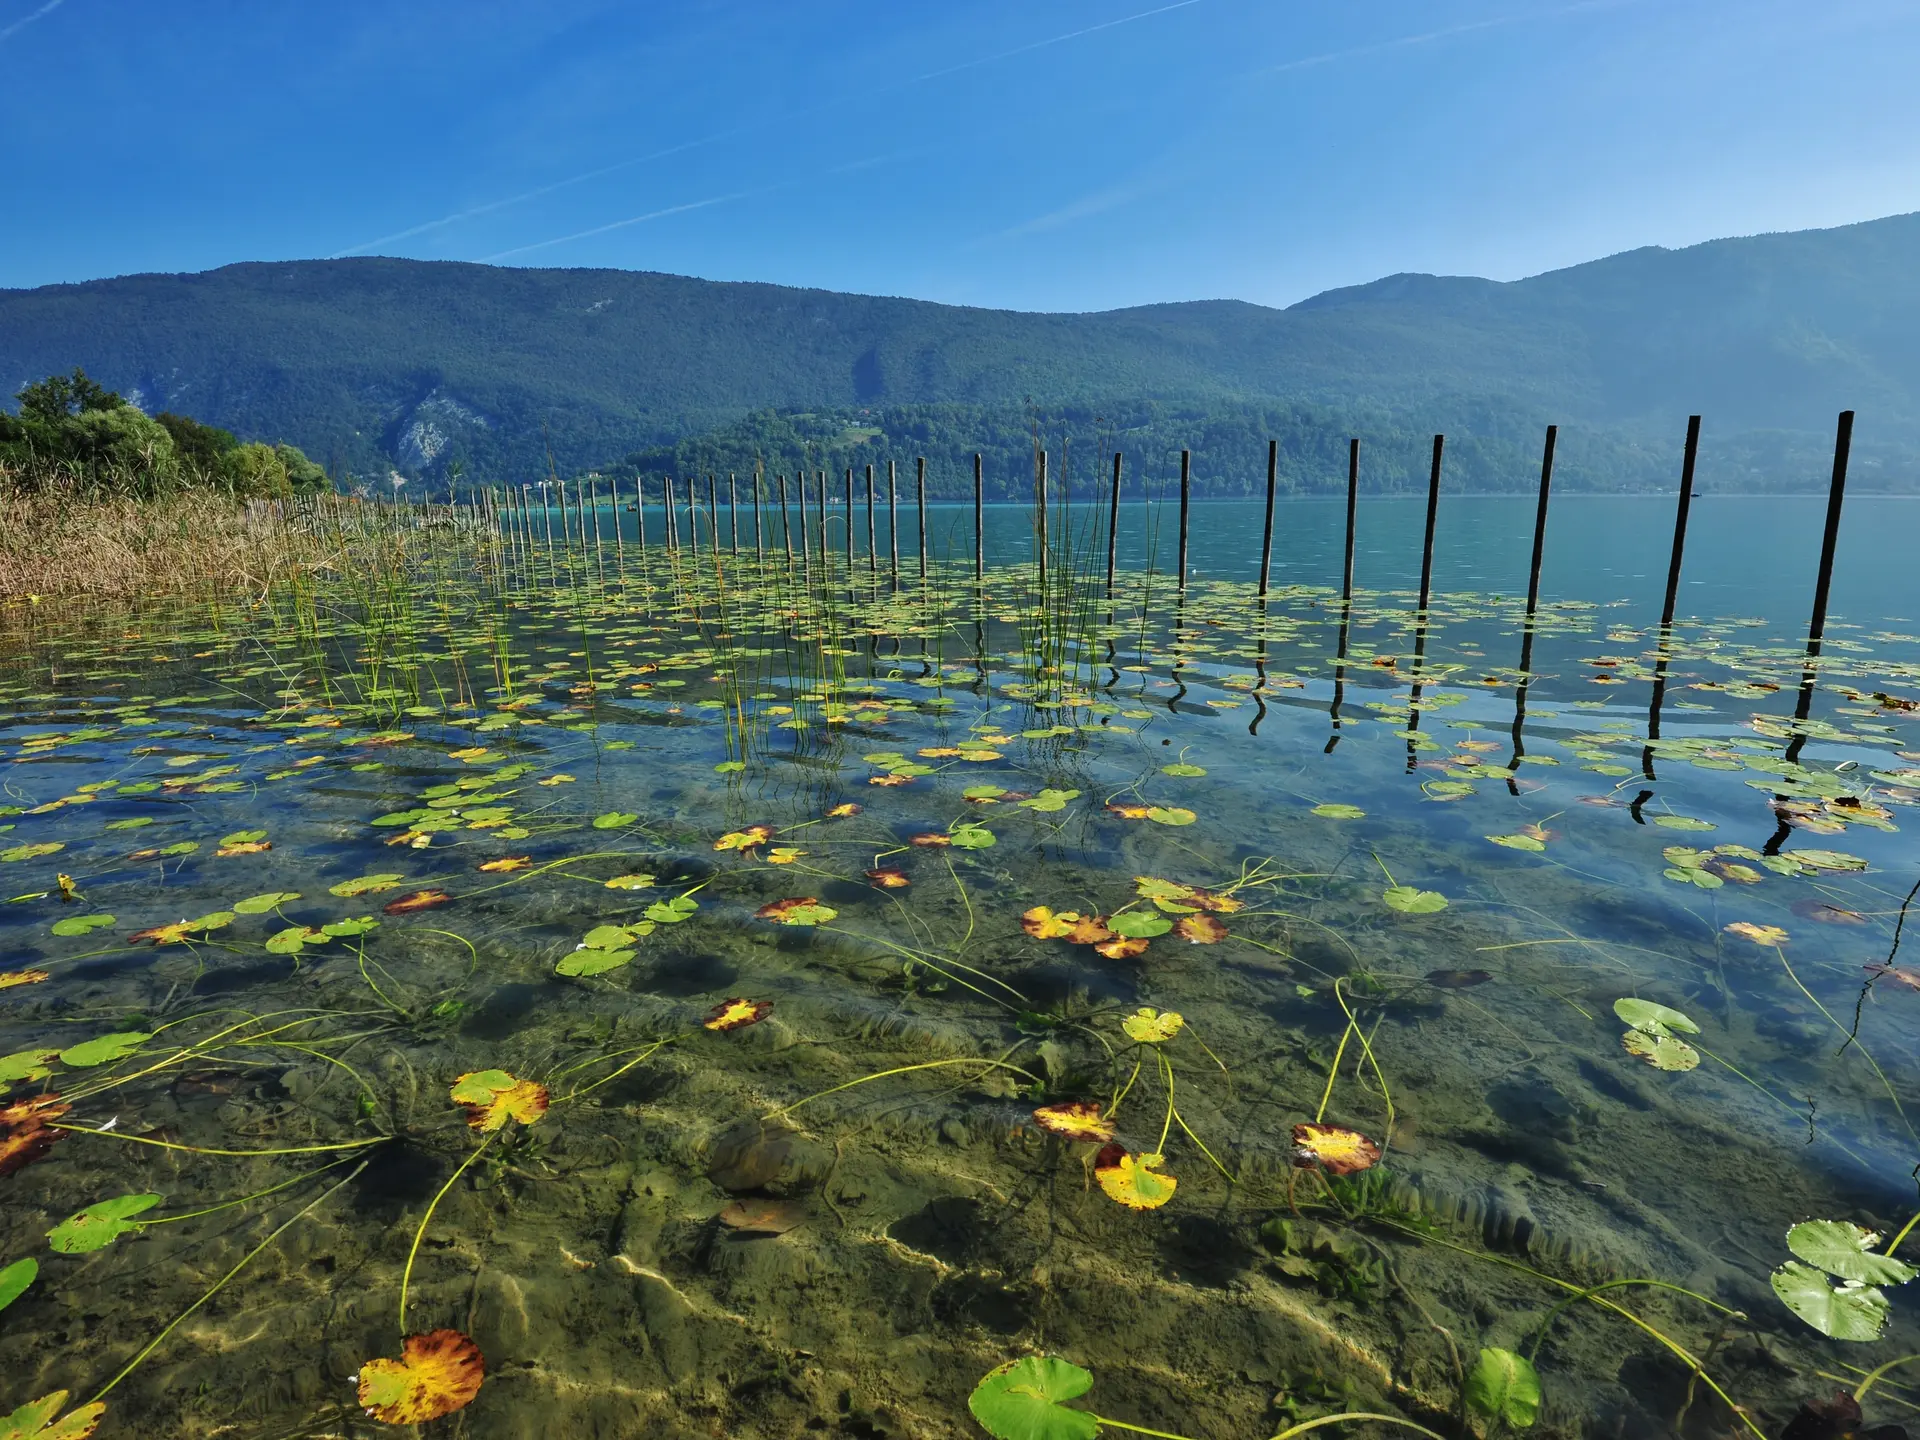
(371, 363)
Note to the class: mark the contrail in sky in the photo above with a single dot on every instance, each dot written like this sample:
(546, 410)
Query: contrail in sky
(622, 224)
(17, 26)
(1400, 42)
(490, 206)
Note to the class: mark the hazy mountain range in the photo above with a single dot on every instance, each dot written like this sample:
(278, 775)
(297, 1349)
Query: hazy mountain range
(378, 364)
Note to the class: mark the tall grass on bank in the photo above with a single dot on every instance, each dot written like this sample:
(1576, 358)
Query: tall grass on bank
(55, 543)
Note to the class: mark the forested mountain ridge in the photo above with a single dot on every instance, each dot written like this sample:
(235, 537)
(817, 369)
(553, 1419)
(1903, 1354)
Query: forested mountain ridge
(378, 364)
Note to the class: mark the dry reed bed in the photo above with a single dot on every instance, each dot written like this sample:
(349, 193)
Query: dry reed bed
(55, 544)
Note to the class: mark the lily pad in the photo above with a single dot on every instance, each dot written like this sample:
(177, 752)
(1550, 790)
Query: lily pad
(614, 820)
(437, 1373)
(493, 1097)
(1660, 1050)
(799, 910)
(81, 924)
(1504, 1386)
(100, 1224)
(261, 904)
(1023, 1400)
(104, 1049)
(1171, 815)
(294, 939)
(1139, 924)
(971, 837)
(1183, 769)
(1411, 901)
(1848, 1311)
(35, 1420)
(26, 1065)
(672, 910)
(1652, 1018)
(15, 1279)
(1339, 811)
(367, 885)
(1847, 1252)
(1136, 1181)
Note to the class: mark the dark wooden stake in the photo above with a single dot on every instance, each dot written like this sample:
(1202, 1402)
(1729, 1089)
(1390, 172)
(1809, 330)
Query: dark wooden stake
(673, 520)
(893, 521)
(733, 508)
(759, 514)
(849, 525)
(920, 503)
(786, 521)
(1829, 540)
(1353, 505)
(1426, 545)
(1040, 513)
(1113, 524)
(1186, 495)
(873, 559)
(979, 525)
(1539, 550)
(1680, 522)
(1266, 535)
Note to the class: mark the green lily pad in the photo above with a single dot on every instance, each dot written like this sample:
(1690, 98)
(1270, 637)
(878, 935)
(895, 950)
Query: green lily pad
(1652, 1018)
(729, 767)
(1139, 924)
(1848, 1311)
(1171, 815)
(1504, 1386)
(983, 792)
(82, 924)
(673, 910)
(294, 939)
(104, 1049)
(132, 822)
(1183, 769)
(592, 960)
(1047, 801)
(341, 929)
(261, 904)
(1682, 822)
(26, 1065)
(972, 837)
(367, 885)
(1518, 842)
(614, 820)
(1846, 1251)
(1022, 1400)
(33, 852)
(244, 837)
(100, 1224)
(1410, 901)
(15, 1279)
(1339, 811)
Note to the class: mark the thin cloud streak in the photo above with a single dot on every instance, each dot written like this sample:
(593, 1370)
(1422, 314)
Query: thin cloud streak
(474, 211)
(17, 26)
(1403, 41)
(850, 165)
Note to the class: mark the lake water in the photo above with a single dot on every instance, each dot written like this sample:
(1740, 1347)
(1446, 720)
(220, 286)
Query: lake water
(1613, 994)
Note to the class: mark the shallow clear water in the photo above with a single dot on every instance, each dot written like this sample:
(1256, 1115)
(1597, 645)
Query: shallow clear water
(487, 765)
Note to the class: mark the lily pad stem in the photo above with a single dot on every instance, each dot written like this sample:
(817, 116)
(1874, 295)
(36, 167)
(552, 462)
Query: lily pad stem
(406, 1275)
(173, 1324)
(1304, 1426)
(899, 1070)
(1873, 1376)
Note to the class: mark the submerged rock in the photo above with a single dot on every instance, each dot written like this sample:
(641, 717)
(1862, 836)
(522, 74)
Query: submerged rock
(755, 1155)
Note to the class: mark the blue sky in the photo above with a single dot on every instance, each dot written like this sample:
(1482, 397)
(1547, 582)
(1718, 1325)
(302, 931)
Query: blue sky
(1048, 155)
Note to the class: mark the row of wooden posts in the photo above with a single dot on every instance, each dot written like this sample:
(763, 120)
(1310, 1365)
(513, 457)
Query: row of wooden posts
(520, 514)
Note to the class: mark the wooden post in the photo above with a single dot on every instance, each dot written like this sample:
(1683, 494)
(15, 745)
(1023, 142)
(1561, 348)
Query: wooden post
(893, 521)
(920, 501)
(786, 523)
(873, 560)
(733, 509)
(826, 566)
(672, 516)
(693, 507)
(1680, 521)
(1113, 524)
(806, 540)
(1539, 549)
(1040, 484)
(1266, 535)
(713, 512)
(1186, 487)
(849, 525)
(1426, 545)
(1353, 501)
(979, 525)
(1829, 540)
(759, 513)
(640, 512)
